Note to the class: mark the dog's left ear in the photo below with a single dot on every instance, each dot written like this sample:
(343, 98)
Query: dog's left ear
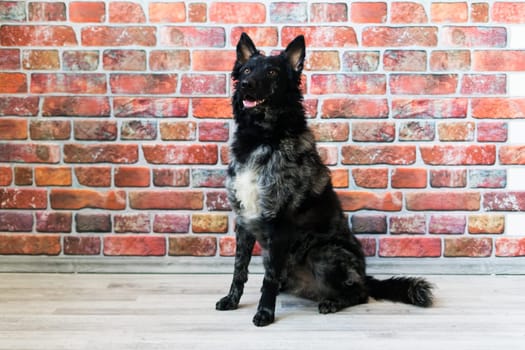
(295, 52)
(245, 49)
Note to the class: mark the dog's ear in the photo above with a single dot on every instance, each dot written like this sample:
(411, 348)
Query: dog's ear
(295, 52)
(245, 49)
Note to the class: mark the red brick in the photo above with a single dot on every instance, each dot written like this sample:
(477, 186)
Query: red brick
(101, 130)
(473, 36)
(330, 131)
(423, 84)
(369, 223)
(171, 177)
(93, 176)
(40, 35)
(214, 131)
(13, 83)
(6, 176)
(150, 107)
(447, 224)
(176, 200)
(405, 60)
(512, 155)
(197, 13)
(133, 223)
(354, 108)
(18, 198)
(9, 59)
(50, 129)
(174, 12)
(23, 176)
(410, 247)
(132, 176)
(357, 61)
(323, 61)
(407, 12)
(328, 12)
(235, 12)
(498, 107)
(192, 246)
(75, 199)
(492, 131)
(383, 201)
(82, 245)
(21, 244)
(181, 154)
(19, 106)
(370, 177)
(448, 178)
(227, 246)
(468, 247)
(100, 153)
(382, 154)
(508, 12)
(209, 223)
(354, 84)
(417, 131)
(126, 12)
(458, 154)
(339, 178)
(93, 222)
(368, 12)
(138, 130)
(450, 60)
(210, 107)
(143, 83)
(48, 176)
(369, 245)
(47, 11)
(130, 60)
(449, 12)
(499, 60)
(321, 36)
(192, 36)
(118, 36)
(136, 245)
(456, 131)
(373, 131)
(399, 36)
(171, 223)
(262, 36)
(217, 201)
(40, 60)
(486, 224)
(29, 153)
(484, 84)
(329, 154)
(84, 60)
(13, 129)
(86, 12)
(510, 246)
(409, 178)
(16, 221)
(168, 60)
(53, 221)
(430, 108)
(203, 84)
(408, 224)
(443, 200)
(76, 106)
(92, 83)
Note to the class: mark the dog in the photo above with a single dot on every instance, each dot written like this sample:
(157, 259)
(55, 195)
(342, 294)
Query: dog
(282, 195)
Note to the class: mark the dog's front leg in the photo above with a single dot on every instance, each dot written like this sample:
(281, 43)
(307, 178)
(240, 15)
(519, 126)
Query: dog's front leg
(245, 242)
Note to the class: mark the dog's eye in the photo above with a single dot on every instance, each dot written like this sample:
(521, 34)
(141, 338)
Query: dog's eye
(272, 73)
(247, 71)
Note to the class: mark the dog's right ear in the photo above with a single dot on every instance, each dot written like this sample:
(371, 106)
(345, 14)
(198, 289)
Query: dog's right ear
(245, 49)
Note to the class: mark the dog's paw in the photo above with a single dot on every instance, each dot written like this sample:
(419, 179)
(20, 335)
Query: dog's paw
(226, 303)
(328, 307)
(263, 318)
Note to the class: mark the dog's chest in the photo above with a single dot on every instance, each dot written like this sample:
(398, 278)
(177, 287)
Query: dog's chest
(248, 192)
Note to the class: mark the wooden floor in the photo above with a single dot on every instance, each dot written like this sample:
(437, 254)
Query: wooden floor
(176, 312)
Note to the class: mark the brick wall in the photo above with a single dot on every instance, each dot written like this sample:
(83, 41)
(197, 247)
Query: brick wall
(115, 120)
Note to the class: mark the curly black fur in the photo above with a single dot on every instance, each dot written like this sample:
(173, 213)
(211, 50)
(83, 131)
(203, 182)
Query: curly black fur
(283, 197)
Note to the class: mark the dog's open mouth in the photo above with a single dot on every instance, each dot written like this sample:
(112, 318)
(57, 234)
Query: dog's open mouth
(250, 102)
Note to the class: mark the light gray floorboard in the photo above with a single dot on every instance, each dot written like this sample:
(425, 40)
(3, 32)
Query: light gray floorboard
(88, 311)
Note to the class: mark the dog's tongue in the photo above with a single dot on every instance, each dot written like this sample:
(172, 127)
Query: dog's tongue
(249, 104)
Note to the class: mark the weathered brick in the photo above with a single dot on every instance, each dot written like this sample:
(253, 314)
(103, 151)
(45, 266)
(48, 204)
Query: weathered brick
(328, 12)
(47, 11)
(138, 130)
(407, 12)
(143, 83)
(134, 245)
(417, 131)
(208, 177)
(13, 83)
(409, 178)
(474, 36)
(133, 223)
(360, 61)
(51, 176)
(486, 224)
(488, 178)
(192, 246)
(329, 154)
(492, 131)
(203, 84)
(47, 221)
(190, 200)
(100, 153)
(29, 153)
(423, 84)
(50, 129)
(510, 246)
(354, 108)
(227, 246)
(449, 12)
(373, 131)
(289, 12)
(89, 83)
(263, 36)
(410, 247)
(86, 12)
(40, 59)
(93, 222)
(368, 224)
(6, 176)
(339, 178)
(19, 106)
(217, 201)
(23, 176)
(468, 247)
(479, 12)
(498, 60)
(131, 60)
(93, 176)
(450, 60)
(181, 154)
(95, 130)
(178, 131)
(382, 154)
(458, 154)
(21, 198)
(408, 224)
(197, 12)
(234, 12)
(132, 176)
(118, 36)
(357, 200)
(75, 199)
(456, 131)
(22, 244)
(447, 224)
(369, 245)
(85, 60)
(163, 12)
(355, 84)
(430, 108)
(16, 221)
(171, 223)
(484, 84)
(508, 12)
(209, 223)
(498, 107)
(405, 60)
(321, 36)
(126, 12)
(192, 36)
(323, 61)
(443, 200)
(504, 201)
(9, 59)
(37, 35)
(448, 178)
(82, 245)
(169, 60)
(399, 36)
(368, 12)
(150, 107)
(76, 106)
(13, 129)
(370, 177)
(330, 131)
(214, 131)
(171, 177)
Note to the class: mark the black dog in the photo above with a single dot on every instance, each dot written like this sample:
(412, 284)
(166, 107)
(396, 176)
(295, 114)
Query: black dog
(283, 197)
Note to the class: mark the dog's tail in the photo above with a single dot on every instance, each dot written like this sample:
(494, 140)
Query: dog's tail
(408, 290)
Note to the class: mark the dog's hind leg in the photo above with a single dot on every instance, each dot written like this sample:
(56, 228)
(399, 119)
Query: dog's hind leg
(245, 242)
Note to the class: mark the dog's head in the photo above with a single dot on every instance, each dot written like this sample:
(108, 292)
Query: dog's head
(264, 81)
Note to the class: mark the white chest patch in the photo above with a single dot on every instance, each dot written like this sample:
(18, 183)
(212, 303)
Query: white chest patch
(247, 192)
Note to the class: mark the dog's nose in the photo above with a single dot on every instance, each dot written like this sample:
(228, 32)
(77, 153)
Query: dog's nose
(247, 84)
